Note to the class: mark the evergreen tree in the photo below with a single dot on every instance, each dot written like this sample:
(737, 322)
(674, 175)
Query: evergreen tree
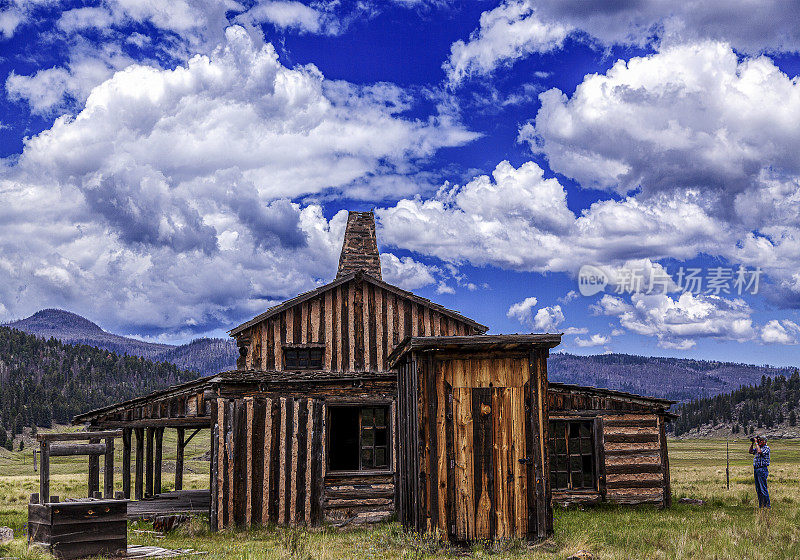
(792, 418)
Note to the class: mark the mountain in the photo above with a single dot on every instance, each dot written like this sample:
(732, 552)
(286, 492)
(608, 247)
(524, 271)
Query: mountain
(669, 378)
(205, 355)
(770, 407)
(43, 381)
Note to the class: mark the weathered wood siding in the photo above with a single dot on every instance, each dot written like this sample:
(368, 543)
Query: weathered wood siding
(472, 445)
(359, 323)
(267, 461)
(636, 465)
(630, 443)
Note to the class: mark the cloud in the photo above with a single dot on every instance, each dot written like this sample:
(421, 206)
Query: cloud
(523, 310)
(576, 330)
(569, 297)
(545, 319)
(518, 28)
(677, 322)
(510, 31)
(518, 219)
(691, 116)
(780, 332)
(292, 15)
(406, 272)
(174, 198)
(594, 340)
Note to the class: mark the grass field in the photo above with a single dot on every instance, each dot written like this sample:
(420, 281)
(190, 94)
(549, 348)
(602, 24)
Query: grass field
(727, 526)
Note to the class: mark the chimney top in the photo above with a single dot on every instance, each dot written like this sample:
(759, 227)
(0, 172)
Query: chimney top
(360, 246)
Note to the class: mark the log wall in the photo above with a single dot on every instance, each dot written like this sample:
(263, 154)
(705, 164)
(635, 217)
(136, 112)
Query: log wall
(267, 461)
(358, 322)
(632, 459)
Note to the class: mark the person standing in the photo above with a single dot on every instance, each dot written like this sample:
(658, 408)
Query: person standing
(760, 451)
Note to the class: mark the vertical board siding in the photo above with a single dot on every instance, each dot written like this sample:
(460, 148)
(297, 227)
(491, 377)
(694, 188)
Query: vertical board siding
(272, 462)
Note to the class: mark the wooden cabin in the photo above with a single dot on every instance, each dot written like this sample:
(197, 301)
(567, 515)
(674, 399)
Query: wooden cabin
(472, 441)
(305, 429)
(607, 446)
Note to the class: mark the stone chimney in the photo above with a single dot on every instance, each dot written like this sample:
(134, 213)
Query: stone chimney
(360, 246)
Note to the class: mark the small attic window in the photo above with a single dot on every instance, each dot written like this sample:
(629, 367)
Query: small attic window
(303, 357)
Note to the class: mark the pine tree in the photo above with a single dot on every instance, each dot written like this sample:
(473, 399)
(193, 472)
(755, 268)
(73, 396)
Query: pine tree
(792, 418)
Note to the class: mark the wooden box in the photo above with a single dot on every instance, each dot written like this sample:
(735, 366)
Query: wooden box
(80, 528)
(473, 458)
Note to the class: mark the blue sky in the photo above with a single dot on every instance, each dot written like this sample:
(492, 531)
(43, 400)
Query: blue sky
(172, 169)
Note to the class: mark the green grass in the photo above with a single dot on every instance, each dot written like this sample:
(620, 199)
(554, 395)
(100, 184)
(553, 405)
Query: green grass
(727, 526)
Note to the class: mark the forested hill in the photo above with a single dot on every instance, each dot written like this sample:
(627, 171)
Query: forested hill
(769, 407)
(670, 378)
(204, 355)
(46, 381)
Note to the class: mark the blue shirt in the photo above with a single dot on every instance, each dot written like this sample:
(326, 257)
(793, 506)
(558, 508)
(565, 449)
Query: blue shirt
(761, 459)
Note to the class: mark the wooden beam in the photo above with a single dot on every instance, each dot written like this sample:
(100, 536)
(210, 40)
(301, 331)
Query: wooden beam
(126, 463)
(148, 463)
(71, 436)
(108, 470)
(159, 459)
(188, 422)
(139, 481)
(76, 449)
(179, 459)
(94, 471)
(44, 471)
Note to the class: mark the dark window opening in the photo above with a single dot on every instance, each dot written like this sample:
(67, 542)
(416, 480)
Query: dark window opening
(572, 455)
(358, 438)
(303, 358)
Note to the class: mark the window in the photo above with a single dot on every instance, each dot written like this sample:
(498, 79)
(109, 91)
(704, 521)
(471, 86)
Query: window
(358, 438)
(572, 457)
(303, 358)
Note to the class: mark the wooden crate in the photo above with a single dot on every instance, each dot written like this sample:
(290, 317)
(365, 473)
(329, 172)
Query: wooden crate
(80, 528)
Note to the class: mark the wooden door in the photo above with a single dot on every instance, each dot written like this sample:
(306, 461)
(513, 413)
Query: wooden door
(492, 466)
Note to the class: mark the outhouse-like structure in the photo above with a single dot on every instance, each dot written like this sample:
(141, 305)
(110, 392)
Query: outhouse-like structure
(472, 435)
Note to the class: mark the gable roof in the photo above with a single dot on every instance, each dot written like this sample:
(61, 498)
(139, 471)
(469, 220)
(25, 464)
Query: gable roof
(360, 275)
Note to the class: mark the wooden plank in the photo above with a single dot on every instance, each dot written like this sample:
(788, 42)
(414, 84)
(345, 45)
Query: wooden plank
(269, 481)
(352, 325)
(310, 435)
(256, 470)
(600, 456)
(230, 460)
(464, 464)
(148, 466)
(220, 464)
(441, 450)
(94, 470)
(214, 467)
(452, 511)
(44, 471)
(240, 461)
(158, 459)
(284, 429)
(519, 453)
(126, 463)
(76, 449)
(366, 318)
(292, 514)
(667, 488)
(139, 477)
(72, 436)
(108, 470)
(179, 456)
(248, 511)
(328, 315)
(432, 448)
(501, 436)
(484, 475)
(317, 464)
